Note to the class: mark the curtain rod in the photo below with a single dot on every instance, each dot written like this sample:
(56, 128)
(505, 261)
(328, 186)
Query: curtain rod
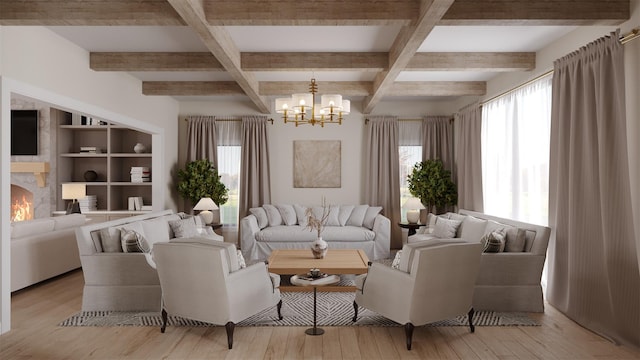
(634, 34)
(366, 120)
(233, 119)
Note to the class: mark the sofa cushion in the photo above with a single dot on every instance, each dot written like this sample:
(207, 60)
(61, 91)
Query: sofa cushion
(370, 216)
(31, 227)
(515, 240)
(472, 228)
(184, 228)
(494, 241)
(357, 215)
(156, 230)
(288, 214)
(344, 213)
(133, 241)
(273, 215)
(298, 233)
(230, 249)
(110, 239)
(332, 214)
(261, 216)
(68, 221)
(446, 229)
(301, 214)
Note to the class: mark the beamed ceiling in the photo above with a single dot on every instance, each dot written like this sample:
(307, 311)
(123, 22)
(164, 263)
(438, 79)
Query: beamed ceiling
(369, 50)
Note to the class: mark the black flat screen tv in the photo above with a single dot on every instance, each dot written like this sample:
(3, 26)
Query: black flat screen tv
(24, 132)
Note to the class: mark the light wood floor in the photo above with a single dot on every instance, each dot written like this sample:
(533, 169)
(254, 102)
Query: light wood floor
(38, 310)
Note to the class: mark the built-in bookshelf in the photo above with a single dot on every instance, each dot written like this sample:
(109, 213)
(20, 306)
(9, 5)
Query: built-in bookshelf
(107, 149)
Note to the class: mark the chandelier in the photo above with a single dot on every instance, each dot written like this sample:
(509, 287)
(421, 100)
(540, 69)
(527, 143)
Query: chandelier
(330, 110)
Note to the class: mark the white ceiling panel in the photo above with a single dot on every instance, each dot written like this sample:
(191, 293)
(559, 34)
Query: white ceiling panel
(318, 75)
(491, 38)
(313, 38)
(132, 38)
(182, 75)
(445, 76)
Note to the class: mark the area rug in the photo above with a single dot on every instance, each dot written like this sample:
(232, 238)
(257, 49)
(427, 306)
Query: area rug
(334, 309)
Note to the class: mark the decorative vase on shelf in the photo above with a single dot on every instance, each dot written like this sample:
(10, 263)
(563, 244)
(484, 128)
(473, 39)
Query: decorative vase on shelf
(90, 176)
(139, 148)
(319, 248)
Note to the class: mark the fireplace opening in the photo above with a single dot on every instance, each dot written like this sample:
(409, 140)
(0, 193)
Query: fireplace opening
(21, 203)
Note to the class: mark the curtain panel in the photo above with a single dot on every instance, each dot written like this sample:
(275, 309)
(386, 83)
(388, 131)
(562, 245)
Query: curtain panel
(382, 179)
(467, 167)
(437, 140)
(201, 139)
(593, 265)
(255, 180)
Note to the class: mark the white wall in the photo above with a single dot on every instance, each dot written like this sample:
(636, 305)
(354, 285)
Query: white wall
(39, 64)
(281, 137)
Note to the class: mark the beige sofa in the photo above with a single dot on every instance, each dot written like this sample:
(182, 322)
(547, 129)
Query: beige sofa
(120, 281)
(283, 226)
(43, 248)
(508, 281)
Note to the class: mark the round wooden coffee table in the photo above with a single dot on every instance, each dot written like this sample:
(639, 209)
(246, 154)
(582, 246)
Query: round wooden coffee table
(303, 280)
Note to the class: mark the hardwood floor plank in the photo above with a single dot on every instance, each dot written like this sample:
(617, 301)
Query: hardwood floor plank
(37, 311)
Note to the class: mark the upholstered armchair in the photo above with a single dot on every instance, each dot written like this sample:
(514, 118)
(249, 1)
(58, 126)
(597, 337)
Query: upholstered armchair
(434, 281)
(202, 280)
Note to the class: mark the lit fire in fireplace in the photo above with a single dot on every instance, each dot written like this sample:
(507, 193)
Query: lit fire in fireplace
(21, 210)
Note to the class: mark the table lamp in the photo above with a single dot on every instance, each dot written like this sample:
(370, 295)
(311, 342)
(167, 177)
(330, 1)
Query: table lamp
(413, 206)
(73, 192)
(205, 205)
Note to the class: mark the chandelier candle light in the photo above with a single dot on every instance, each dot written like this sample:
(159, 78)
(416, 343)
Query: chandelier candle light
(331, 109)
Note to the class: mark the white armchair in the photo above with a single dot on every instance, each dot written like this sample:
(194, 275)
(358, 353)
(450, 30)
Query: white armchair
(201, 280)
(434, 282)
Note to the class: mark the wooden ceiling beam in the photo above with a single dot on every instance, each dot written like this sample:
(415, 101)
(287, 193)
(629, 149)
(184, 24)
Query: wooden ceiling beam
(474, 61)
(219, 42)
(437, 88)
(89, 12)
(325, 61)
(541, 12)
(345, 88)
(404, 48)
(154, 61)
(317, 12)
(191, 88)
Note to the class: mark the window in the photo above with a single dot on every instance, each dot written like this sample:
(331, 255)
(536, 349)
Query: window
(410, 150)
(515, 153)
(229, 155)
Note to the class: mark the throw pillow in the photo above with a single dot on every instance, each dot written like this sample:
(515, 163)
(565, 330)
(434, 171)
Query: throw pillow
(241, 261)
(184, 228)
(370, 216)
(273, 215)
(261, 216)
(515, 240)
(332, 215)
(110, 239)
(446, 229)
(494, 241)
(396, 260)
(301, 214)
(132, 241)
(357, 215)
(288, 214)
(344, 213)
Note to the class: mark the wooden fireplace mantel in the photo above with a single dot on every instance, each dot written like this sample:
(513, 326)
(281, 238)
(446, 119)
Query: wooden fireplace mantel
(39, 170)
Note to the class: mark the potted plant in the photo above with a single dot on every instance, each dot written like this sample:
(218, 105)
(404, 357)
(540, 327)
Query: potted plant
(200, 179)
(431, 183)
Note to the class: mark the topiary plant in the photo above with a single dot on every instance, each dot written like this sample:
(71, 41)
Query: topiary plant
(431, 183)
(200, 179)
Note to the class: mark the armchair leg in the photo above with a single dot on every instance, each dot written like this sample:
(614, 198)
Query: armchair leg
(230, 326)
(408, 331)
(471, 326)
(279, 309)
(164, 321)
(355, 309)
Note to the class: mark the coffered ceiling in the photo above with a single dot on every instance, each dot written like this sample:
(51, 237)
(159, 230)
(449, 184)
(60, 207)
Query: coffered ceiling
(365, 50)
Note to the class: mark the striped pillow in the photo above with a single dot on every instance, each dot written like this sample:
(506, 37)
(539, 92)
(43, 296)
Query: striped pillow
(132, 241)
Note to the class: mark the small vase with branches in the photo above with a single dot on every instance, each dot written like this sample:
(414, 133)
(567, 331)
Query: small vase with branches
(318, 247)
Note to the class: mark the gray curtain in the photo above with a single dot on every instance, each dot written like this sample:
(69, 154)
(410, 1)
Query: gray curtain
(382, 179)
(255, 183)
(468, 159)
(437, 139)
(201, 139)
(593, 265)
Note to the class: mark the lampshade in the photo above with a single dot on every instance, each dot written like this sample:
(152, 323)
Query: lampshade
(283, 104)
(329, 101)
(205, 204)
(346, 107)
(302, 101)
(413, 204)
(73, 191)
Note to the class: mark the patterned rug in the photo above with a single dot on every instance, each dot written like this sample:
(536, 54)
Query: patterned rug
(334, 309)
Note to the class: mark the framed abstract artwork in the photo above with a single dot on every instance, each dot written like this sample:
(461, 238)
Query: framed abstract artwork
(317, 164)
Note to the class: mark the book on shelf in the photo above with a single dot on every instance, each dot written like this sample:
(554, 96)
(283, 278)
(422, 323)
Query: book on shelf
(140, 174)
(135, 203)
